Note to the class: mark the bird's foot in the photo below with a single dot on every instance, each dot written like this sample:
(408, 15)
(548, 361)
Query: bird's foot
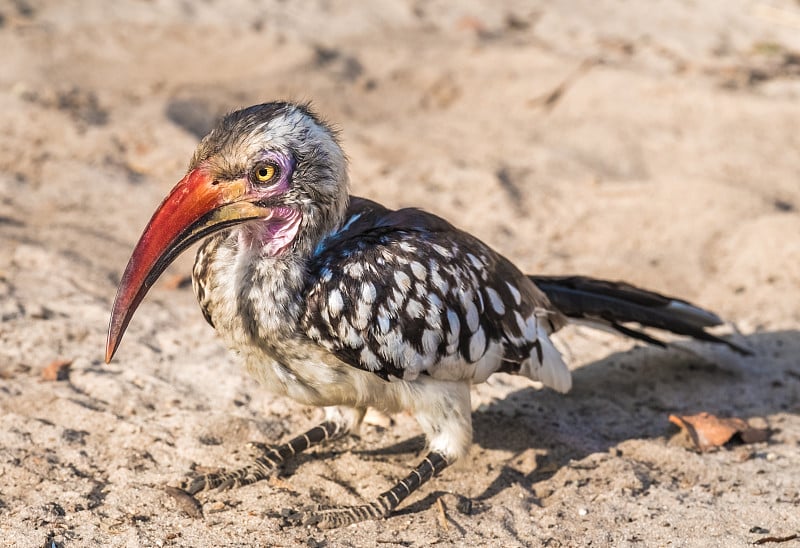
(224, 480)
(333, 517)
(267, 459)
(340, 516)
(262, 467)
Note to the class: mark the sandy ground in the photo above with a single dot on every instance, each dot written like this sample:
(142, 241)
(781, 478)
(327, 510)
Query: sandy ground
(655, 142)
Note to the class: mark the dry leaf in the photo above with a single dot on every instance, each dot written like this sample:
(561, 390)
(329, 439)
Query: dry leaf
(57, 370)
(708, 431)
(278, 483)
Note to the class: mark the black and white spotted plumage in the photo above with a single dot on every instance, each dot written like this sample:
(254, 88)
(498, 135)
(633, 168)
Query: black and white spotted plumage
(338, 302)
(404, 293)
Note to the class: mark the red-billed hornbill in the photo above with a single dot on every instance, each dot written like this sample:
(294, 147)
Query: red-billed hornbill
(339, 302)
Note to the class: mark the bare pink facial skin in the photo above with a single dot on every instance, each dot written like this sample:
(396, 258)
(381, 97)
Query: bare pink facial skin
(273, 234)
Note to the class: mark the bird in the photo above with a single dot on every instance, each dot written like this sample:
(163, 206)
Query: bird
(338, 302)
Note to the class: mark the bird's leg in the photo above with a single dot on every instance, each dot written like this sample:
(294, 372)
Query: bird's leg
(445, 417)
(263, 465)
(340, 516)
(338, 423)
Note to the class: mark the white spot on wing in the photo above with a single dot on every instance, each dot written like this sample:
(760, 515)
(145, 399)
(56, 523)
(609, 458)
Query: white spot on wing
(455, 326)
(393, 346)
(369, 359)
(335, 302)
(430, 341)
(433, 315)
(396, 300)
(419, 271)
(475, 261)
(495, 300)
(363, 315)
(477, 345)
(442, 251)
(514, 293)
(354, 270)
(368, 292)
(383, 320)
(402, 280)
(415, 309)
(350, 336)
(436, 278)
(473, 319)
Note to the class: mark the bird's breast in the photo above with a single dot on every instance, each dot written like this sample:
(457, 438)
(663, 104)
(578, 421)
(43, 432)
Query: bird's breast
(252, 300)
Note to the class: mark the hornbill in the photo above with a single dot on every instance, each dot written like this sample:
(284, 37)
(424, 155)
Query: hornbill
(336, 301)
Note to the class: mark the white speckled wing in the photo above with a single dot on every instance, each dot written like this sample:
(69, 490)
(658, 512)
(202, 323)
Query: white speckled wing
(402, 293)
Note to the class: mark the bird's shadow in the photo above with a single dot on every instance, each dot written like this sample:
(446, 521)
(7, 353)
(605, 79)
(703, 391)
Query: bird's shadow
(628, 395)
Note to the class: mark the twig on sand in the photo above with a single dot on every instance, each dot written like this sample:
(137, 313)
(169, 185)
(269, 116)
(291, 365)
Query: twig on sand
(442, 515)
(776, 539)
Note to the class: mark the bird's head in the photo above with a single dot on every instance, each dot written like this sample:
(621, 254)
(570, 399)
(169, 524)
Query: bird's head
(274, 169)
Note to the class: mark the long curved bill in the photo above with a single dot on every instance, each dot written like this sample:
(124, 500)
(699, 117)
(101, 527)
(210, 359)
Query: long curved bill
(195, 208)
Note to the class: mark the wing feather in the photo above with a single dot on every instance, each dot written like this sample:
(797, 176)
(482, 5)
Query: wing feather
(401, 293)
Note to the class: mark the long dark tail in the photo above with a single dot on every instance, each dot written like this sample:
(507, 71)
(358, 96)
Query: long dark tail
(615, 304)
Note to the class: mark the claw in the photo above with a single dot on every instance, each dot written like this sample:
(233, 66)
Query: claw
(305, 516)
(223, 481)
(193, 486)
(226, 485)
(260, 448)
(292, 517)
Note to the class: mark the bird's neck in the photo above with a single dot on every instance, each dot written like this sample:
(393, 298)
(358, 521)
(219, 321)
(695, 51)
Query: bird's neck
(255, 286)
(256, 296)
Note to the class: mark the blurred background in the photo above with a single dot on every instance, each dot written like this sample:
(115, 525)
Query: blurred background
(655, 142)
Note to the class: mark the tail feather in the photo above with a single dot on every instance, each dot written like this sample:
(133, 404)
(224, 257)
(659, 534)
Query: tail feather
(615, 304)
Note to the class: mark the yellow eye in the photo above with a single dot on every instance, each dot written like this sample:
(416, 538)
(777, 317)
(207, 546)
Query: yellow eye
(264, 173)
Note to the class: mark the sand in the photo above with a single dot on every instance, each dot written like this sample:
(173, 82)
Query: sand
(652, 142)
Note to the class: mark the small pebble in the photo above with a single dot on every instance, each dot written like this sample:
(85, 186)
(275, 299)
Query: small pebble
(582, 511)
(217, 506)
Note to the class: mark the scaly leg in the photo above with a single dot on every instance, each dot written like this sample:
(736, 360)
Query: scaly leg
(339, 423)
(444, 415)
(330, 518)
